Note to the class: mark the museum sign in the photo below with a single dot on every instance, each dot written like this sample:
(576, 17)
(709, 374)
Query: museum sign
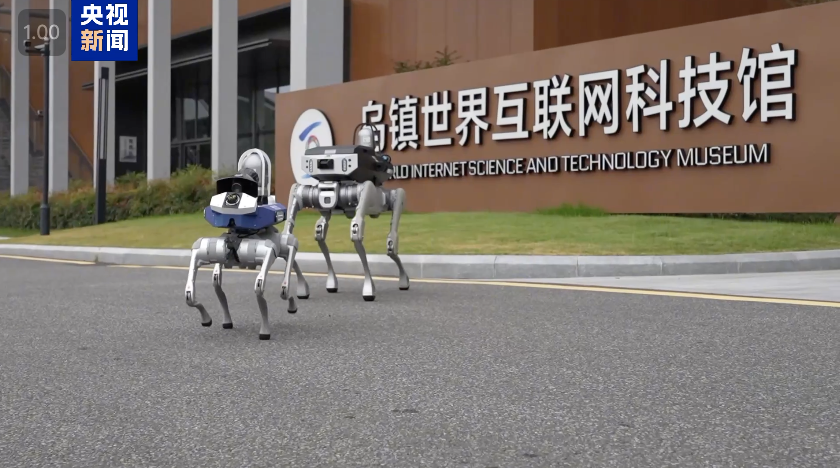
(729, 116)
(605, 102)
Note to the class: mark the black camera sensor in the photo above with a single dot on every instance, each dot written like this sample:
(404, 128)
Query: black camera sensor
(326, 164)
(232, 199)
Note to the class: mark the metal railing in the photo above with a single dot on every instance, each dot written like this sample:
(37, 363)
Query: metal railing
(79, 166)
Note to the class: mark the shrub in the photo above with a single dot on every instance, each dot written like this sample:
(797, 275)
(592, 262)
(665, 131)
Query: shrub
(579, 210)
(443, 59)
(131, 196)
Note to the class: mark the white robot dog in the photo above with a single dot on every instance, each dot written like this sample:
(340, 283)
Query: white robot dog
(350, 182)
(244, 206)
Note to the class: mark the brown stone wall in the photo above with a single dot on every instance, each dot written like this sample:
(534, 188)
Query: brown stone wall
(799, 177)
(388, 31)
(566, 22)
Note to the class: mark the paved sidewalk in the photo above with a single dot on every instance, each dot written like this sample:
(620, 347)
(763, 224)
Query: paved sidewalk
(477, 266)
(809, 285)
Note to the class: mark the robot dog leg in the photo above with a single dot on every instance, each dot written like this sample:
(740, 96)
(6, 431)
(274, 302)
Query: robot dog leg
(242, 205)
(396, 202)
(268, 256)
(288, 239)
(302, 291)
(207, 251)
(300, 197)
(192, 300)
(217, 285)
(321, 229)
(372, 202)
(264, 253)
(250, 253)
(288, 246)
(368, 205)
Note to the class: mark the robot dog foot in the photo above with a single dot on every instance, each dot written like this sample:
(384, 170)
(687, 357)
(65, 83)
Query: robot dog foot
(189, 292)
(206, 321)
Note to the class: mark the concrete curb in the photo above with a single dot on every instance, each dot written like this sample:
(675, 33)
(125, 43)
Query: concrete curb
(476, 266)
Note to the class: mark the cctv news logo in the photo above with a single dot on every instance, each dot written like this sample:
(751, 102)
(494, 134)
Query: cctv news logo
(311, 130)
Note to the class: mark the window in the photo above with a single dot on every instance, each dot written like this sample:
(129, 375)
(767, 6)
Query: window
(192, 157)
(175, 158)
(266, 85)
(189, 118)
(189, 94)
(205, 156)
(174, 109)
(266, 144)
(191, 128)
(258, 85)
(243, 144)
(244, 112)
(265, 110)
(203, 112)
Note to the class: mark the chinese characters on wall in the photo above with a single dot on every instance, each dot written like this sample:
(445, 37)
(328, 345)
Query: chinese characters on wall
(601, 101)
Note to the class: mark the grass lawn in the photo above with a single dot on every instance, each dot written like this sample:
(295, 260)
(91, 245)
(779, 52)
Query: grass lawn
(9, 232)
(485, 233)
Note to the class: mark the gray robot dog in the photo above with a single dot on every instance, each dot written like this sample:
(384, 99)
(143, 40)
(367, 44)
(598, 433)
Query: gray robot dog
(350, 182)
(244, 206)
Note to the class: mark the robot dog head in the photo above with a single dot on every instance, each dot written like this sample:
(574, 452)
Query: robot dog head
(255, 166)
(357, 163)
(249, 187)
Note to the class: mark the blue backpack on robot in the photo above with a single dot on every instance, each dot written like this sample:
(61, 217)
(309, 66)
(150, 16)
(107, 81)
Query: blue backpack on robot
(238, 204)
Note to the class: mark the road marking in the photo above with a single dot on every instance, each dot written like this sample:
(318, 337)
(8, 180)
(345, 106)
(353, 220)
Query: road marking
(654, 292)
(51, 260)
(565, 287)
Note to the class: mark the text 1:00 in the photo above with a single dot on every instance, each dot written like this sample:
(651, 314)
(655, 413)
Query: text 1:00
(42, 36)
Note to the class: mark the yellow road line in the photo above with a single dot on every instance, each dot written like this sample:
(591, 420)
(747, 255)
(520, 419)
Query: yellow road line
(565, 287)
(51, 260)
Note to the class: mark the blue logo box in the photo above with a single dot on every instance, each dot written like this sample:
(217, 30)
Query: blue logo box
(103, 30)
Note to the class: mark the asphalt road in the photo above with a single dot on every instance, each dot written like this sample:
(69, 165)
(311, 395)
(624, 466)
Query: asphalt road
(106, 366)
(803, 285)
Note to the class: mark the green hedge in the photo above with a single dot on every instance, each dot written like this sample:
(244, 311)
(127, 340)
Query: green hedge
(187, 191)
(190, 190)
(801, 218)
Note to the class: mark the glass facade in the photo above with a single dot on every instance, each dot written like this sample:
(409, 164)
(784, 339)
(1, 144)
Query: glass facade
(191, 104)
(190, 116)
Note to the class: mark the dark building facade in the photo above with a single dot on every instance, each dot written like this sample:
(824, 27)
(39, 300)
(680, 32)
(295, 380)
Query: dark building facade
(263, 72)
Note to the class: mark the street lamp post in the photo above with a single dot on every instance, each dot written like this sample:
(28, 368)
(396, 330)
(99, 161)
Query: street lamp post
(44, 50)
(102, 144)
